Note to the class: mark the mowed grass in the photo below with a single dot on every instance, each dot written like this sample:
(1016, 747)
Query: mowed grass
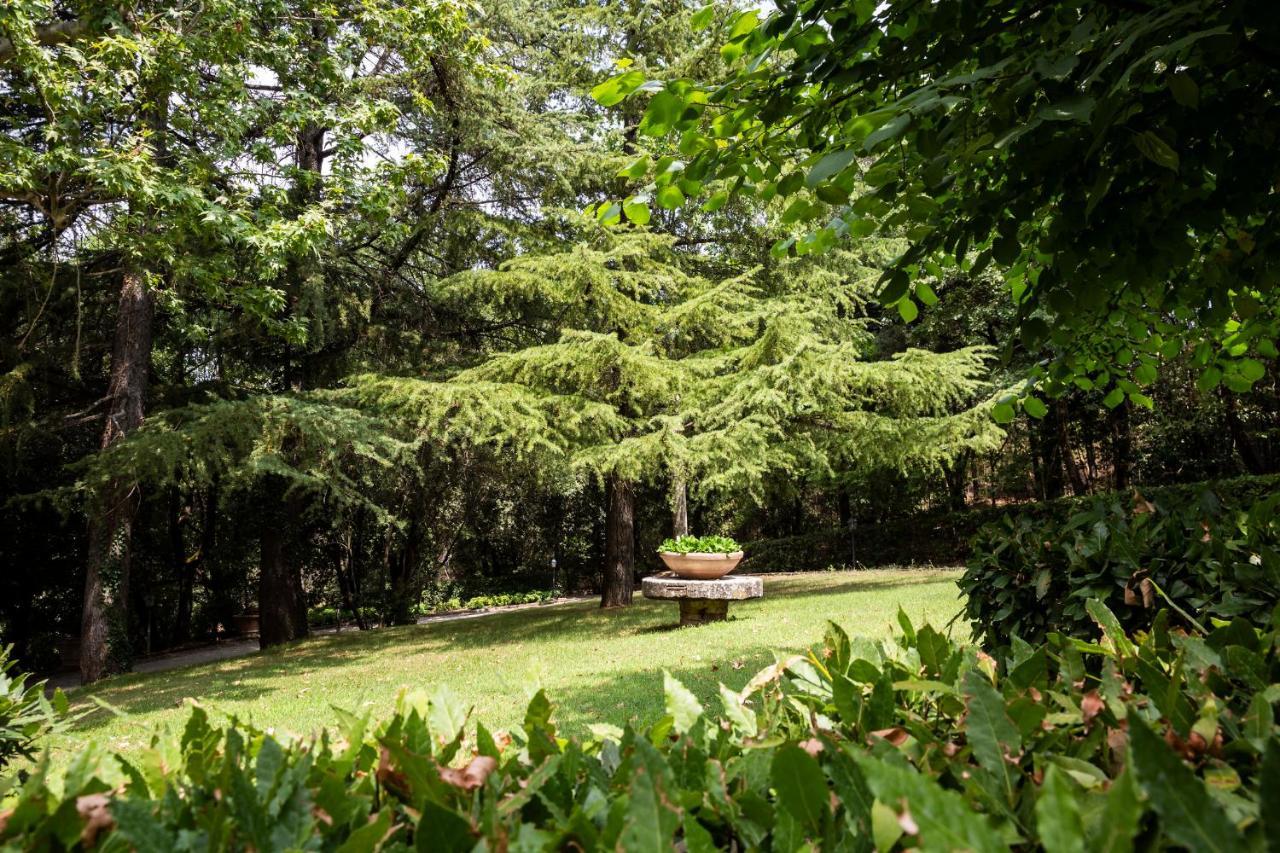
(596, 665)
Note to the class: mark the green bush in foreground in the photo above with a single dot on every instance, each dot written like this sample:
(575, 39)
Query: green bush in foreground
(699, 545)
(1208, 556)
(26, 714)
(1165, 739)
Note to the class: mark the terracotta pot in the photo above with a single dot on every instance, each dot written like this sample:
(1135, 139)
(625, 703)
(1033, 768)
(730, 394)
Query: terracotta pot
(703, 567)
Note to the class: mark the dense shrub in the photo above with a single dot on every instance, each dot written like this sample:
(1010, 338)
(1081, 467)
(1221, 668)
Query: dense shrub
(1205, 552)
(916, 743)
(945, 538)
(26, 713)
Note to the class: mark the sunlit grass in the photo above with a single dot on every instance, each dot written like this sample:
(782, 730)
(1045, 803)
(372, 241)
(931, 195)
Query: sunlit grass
(597, 666)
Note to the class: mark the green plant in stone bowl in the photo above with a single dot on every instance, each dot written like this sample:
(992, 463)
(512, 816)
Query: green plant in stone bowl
(699, 545)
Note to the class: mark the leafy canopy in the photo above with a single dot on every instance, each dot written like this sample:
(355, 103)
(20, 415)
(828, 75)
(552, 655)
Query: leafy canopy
(1107, 156)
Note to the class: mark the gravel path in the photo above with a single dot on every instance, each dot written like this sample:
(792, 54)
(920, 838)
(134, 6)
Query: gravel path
(228, 649)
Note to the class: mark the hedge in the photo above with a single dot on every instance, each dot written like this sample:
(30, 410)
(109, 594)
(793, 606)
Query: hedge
(945, 538)
(1208, 552)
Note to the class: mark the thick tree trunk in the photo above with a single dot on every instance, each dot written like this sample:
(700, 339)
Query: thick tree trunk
(680, 508)
(279, 594)
(402, 567)
(619, 544)
(104, 620)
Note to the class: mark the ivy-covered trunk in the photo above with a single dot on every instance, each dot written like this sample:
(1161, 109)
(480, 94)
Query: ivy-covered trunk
(104, 641)
(619, 543)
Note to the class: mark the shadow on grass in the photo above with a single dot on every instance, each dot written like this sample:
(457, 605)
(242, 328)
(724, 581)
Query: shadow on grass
(285, 669)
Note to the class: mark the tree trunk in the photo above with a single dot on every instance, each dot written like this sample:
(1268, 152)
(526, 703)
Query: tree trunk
(680, 510)
(619, 543)
(279, 604)
(104, 621)
(183, 569)
(1121, 447)
(1253, 462)
(1047, 450)
(402, 566)
(956, 476)
(1079, 485)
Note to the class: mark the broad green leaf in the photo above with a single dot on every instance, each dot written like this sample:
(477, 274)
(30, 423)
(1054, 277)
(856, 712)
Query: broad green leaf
(697, 839)
(1078, 108)
(681, 704)
(1252, 369)
(890, 130)
(715, 202)
(1184, 89)
(662, 113)
(670, 197)
(1035, 407)
(701, 18)
(446, 714)
(737, 713)
(615, 89)
(1120, 817)
(945, 819)
(1156, 150)
(830, 165)
(1058, 821)
(1189, 815)
(367, 838)
(442, 829)
(1113, 635)
(907, 309)
(1269, 792)
(636, 210)
(801, 786)
(994, 737)
(1003, 413)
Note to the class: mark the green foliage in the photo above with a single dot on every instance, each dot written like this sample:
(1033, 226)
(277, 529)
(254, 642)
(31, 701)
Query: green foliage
(1069, 146)
(1210, 554)
(27, 715)
(914, 743)
(722, 381)
(700, 545)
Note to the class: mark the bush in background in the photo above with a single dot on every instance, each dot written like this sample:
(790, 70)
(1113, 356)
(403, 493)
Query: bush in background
(1209, 553)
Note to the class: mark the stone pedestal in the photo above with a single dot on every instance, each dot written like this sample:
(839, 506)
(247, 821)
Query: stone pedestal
(702, 601)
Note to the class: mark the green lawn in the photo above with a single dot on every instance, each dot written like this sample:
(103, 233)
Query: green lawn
(597, 666)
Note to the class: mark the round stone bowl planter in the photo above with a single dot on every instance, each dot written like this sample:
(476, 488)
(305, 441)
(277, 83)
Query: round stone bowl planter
(701, 566)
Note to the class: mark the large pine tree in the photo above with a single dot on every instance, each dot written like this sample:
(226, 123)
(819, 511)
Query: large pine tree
(720, 383)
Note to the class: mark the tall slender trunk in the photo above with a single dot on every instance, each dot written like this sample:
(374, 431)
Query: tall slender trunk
(680, 508)
(104, 620)
(1079, 485)
(1047, 449)
(1121, 447)
(183, 568)
(619, 543)
(956, 476)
